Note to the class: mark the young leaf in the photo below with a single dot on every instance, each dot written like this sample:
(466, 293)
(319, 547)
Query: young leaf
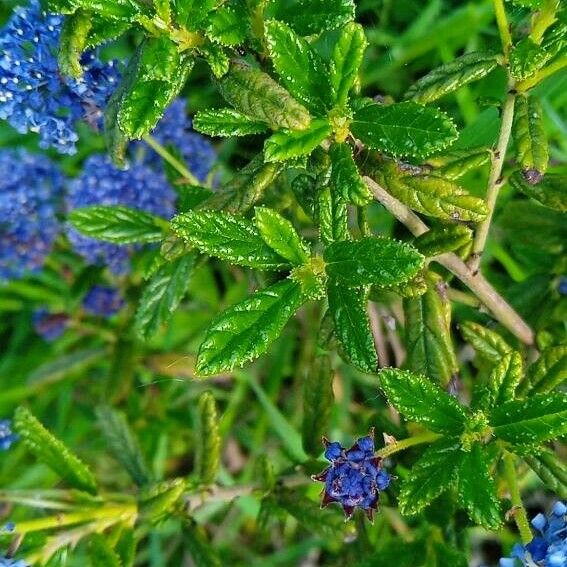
(452, 76)
(123, 444)
(163, 294)
(529, 136)
(228, 24)
(155, 76)
(118, 224)
(158, 502)
(345, 177)
(526, 422)
(217, 58)
(453, 164)
(53, 452)
(227, 122)
(489, 344)
(257, 95)
(504, 379)
(420, 400)
(308, 17)
(346, 61)
(372, 261)
(403, 129)
(477, 489)
(287, 144)
(526, 58)
(553, 473)
(300, 67)
(428, 334)
(352, 327)
(73, 42)
(278, 233)
(439, 240)
(550, 370)
(432, 474)
(208, 441)
(331, 212)
(228, 237)
(245, 331)
(190, 14)
(109, 9)
(549, 191)
(200, 548)
(101, 553)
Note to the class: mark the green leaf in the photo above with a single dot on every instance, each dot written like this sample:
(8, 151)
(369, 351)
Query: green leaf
(163, 294)
(245, 331)
(441, 239)
(207, 440)
(352, 327)
(200, 548)
(331, 211)
(217, 58)
(278, 233)
(346, 60)
(489, 344)
(403, 129)
(287, 144)
(456, 163)
(551, 470)
(228, 237)
(549, 371)
(227, 122)
(549, 192)
(155, 76)
(159, 501)
(430, 476)
(124, 10)
(228, 24)
(477, 489)
(301, 69)
(372, 261)
(123, 444)
(118, 224)
(433, 196)
(308, 17)
(257, 95)
(73, 41)
(541, 417)
(526, 58)
(345, 177)
(429, 346)
(101, 553)
(452, 76)
(52, 452)
(504, 378)
(190, 14)
(418, 399)
(529, 135)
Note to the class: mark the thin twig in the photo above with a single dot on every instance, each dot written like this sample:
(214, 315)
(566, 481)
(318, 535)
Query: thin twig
(519, 513)
(378, 333)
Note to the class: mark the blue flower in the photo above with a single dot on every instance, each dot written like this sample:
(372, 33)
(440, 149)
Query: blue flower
(103, 301)
(49, 326)
(8, 562)
(7, 436)
(101, 183)
(30, 189)
(174, 131)
(549, 547)
(355, 477)
(34, 96)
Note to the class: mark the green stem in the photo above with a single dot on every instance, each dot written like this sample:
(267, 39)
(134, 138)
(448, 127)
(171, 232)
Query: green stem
(503, 26)
(544, 18)
(520, 516)
(171, 159)
(398, 446)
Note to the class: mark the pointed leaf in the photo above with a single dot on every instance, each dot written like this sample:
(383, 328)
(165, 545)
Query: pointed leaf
(526, 58)
(352, 327)
(287, 144)
(300, 67)
(504, 378)
(345, 177)
(278, 233)
(541, 417)
(200, 548)
(529, 135)
(227, 122)
(439, 240)
(53, 452)
(453, 164)
(430, 476)
(331, 212)
(452, 76)
(550, 370)
(245, 331)
(372, 260)
(403, 129)
(477, 489)
(489, 344)
(549, 191)
(118, 224)
(257, 95)
(159, 501)
(228, 24)
(101, 553)
(420, 400)
(553, 473)
(217, 58)
(208, 441)
(228, 237)
(346, 61)
(72, 43)
(190, 14)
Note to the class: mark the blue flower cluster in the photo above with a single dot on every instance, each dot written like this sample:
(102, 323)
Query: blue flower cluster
(8, 562)
(30, 189)
(174, 130)
(49, 326)
(549, 547)
(102, 183)
(355, 477)
(34, 96)
(103, 301)
(7, 436)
